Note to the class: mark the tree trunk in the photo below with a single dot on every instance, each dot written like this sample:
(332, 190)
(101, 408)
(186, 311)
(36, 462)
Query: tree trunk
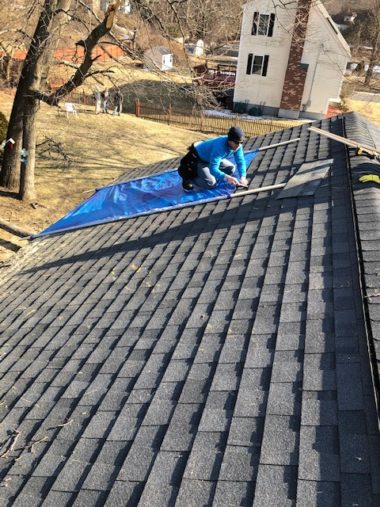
(27, 190)
(374, 53)
(10, 173)
(22, 124)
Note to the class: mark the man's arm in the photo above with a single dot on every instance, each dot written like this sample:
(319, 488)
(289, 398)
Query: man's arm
(240, 162)
(215, 160)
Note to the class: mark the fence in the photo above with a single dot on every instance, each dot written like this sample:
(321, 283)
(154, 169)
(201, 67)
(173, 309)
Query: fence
(197, 120)
(80, 98)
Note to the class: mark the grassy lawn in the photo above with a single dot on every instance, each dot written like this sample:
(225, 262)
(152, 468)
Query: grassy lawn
(369, 109)
(101, 147)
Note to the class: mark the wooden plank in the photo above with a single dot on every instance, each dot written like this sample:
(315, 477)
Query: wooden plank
(258, 190)
(283, 143)
(353, 144)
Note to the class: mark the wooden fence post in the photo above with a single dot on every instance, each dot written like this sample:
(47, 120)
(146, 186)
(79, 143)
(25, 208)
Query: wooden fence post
(137, 108)
(169, 113)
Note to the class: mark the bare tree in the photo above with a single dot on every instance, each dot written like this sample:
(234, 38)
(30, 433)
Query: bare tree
(365, 31)
(17, 171)
(374, 37)
(171, 18)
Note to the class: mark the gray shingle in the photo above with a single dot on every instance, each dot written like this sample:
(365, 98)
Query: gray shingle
(350, 394)
(182, 427)
(276, 486)
(156, 495)
(137, 464)
(233, 493)
(72, 475)
(215, 419)
(284, 399)
(280, 441)
(319, 453)
(168, 468)
(193, 493)
(101, 477)
(239, 464)
(314, 492)
(87, 497)
(55, 498)
(356, 489)
(124, 493)
(246, 431)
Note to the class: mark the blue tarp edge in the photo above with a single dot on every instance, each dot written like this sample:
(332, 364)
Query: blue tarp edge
(124, 200)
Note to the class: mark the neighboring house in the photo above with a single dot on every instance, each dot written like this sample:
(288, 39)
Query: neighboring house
(216, 354)
(158, 57)
(289, 70)
(196, 49)
(125, 6)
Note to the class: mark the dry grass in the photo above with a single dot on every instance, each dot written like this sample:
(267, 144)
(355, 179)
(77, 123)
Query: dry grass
(369, 109)
(102, 148)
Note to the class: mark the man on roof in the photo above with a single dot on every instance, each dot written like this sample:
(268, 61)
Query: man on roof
(206, 165)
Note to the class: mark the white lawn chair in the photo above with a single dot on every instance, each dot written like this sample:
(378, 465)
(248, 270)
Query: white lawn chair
(70, 109)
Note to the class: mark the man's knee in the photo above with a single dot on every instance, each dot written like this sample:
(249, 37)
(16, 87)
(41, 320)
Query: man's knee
(205, 181)
(211, 181)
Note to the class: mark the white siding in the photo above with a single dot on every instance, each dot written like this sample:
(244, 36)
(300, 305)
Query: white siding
(257, 89)
(324, 51)
(327, 59)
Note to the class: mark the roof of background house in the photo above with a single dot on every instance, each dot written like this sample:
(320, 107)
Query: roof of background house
(213, 355)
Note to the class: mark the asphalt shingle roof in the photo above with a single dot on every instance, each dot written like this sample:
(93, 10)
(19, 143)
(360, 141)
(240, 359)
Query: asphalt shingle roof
(213, 355)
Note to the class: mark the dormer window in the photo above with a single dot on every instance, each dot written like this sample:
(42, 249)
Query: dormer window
(263, 24)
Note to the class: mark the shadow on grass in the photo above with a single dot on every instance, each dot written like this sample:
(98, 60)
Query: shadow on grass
(8, 193)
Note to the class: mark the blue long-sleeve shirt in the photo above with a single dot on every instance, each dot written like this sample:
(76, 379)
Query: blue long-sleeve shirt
(215, 150)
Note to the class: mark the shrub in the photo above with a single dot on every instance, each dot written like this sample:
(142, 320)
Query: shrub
(3, 127)
(3, 132)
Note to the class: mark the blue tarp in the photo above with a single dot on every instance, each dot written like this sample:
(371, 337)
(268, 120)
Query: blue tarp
(159, 192)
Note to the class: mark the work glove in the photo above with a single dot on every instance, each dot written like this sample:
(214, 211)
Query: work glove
(370, 177)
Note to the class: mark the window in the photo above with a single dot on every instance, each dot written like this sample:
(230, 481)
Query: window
(263, 24)
(257, 64)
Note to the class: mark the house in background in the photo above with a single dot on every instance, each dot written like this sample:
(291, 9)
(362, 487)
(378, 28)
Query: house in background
(158, 58)
(125, 6)
(196, 49)
(287, 68)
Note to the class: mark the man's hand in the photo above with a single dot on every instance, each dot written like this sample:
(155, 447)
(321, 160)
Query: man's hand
(244, 181)
(232, 180)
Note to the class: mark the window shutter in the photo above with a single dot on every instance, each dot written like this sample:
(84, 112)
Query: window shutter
(265, 65)
(271, 25)
(249, 63)
(255, 23)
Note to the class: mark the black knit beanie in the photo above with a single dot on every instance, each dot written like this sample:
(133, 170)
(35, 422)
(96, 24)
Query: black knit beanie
(236, 134)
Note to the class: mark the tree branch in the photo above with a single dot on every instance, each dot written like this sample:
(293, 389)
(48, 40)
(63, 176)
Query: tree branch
(82, 71)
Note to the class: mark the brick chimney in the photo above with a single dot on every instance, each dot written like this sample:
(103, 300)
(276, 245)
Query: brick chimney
(295, 75)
